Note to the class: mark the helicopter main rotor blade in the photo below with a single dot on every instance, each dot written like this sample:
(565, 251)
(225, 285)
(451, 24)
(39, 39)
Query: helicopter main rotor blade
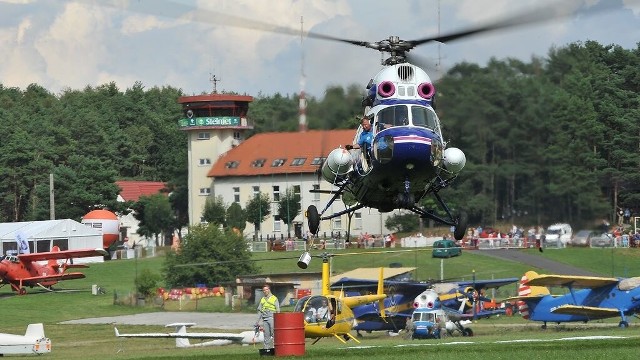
(529, 17)
(170, 9)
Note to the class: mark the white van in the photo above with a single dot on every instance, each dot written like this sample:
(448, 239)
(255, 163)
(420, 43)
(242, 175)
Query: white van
(558, 235)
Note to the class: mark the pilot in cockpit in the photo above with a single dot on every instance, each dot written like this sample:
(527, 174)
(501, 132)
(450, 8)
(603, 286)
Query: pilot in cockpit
(366, 136)
(322, 313)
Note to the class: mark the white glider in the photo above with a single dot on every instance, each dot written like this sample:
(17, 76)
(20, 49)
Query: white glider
(182, 336)
(32, 342)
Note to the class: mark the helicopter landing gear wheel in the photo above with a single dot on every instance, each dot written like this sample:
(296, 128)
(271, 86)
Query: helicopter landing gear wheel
(313, 219)
(461, 225)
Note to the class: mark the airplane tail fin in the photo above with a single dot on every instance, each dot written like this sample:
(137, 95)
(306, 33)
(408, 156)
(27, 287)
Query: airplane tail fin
(53, 262)
(182, 342)
(526, 290)
(35, 331)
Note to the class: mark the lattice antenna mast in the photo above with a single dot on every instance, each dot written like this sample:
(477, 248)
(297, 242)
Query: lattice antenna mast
(214, 80)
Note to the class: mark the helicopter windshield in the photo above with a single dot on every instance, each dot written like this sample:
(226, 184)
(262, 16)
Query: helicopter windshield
(393, 115)
(301, 303)
(398, 115)
(425, 117)
(315, 308)
(424, 316)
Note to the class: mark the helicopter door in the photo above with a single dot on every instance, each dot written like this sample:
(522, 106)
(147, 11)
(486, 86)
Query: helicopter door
(361, 156)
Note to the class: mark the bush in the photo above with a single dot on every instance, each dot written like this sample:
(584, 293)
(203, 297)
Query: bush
(147, 283)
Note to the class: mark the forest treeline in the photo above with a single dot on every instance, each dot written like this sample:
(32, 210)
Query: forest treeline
(549, 140)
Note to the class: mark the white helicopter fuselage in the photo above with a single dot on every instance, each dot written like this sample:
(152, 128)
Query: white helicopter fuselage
(407, 153)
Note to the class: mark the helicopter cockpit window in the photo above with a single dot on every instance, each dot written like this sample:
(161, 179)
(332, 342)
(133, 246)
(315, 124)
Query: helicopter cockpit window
(393, 115)
(316, 309)
(425, 117)
(301, 303)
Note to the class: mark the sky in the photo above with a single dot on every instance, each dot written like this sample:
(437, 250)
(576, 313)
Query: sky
(60, 44)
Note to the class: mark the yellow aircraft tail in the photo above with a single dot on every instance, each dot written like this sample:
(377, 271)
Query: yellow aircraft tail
(526, 290)
(352, 301)
(381, 293)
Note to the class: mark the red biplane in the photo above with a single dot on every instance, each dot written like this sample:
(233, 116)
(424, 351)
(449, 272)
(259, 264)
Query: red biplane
(24, 270)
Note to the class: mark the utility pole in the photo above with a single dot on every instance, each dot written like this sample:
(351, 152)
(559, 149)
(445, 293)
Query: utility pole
(52, 206)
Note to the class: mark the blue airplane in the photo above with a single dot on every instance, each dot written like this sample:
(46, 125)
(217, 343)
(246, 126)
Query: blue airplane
(589, 298)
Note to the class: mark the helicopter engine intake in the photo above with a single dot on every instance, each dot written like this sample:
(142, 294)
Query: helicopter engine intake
(338, 164)
(454, 160)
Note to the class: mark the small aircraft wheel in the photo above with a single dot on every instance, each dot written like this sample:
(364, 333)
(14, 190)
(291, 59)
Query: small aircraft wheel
(467, 332)
(22, 291)
(461, 225)
(544, 327)
(313, 218)
(623, 324)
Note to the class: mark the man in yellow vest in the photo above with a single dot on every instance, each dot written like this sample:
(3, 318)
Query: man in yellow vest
(269, 305)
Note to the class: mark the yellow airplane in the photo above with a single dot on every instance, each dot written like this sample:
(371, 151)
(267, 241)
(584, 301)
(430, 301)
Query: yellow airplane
(330, 314)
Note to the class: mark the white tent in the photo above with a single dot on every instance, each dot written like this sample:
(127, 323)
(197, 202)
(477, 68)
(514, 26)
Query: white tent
(42, 236)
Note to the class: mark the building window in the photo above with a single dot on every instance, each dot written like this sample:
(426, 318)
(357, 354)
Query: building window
(204, 135)
(337, 223)
(204, 162)
(298, 161)
(317, 161)
(205, 191)
(277, 224)
(236, 135)
(236, 194)
(296, 189)
(278, 162)
(316, 195)
(256, 190)
(232, 164)
(358, 222)
(258, 162)
(276, 193)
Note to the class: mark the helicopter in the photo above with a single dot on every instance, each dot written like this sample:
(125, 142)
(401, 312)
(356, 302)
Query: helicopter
(339, 321)
(407, 158)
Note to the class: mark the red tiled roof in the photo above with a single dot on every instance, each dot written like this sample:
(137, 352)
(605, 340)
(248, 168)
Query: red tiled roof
(281, 145)
(132, 190)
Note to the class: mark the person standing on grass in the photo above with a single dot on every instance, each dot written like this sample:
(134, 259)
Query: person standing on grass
(268, 306)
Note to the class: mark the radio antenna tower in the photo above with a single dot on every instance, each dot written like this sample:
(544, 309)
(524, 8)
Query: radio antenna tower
(214, 81)
(302, 105)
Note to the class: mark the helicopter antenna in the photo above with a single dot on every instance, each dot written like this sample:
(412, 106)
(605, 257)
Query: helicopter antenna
(302, 105)
(214, 81)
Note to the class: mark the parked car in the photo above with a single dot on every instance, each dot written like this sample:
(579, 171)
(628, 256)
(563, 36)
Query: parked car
(582, 238)
(445, 249)
(558, 235)
(602, 240)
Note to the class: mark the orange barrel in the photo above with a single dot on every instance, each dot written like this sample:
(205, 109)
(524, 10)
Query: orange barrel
(288, 334)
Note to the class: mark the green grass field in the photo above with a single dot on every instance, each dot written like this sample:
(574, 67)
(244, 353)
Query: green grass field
(98, 341)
